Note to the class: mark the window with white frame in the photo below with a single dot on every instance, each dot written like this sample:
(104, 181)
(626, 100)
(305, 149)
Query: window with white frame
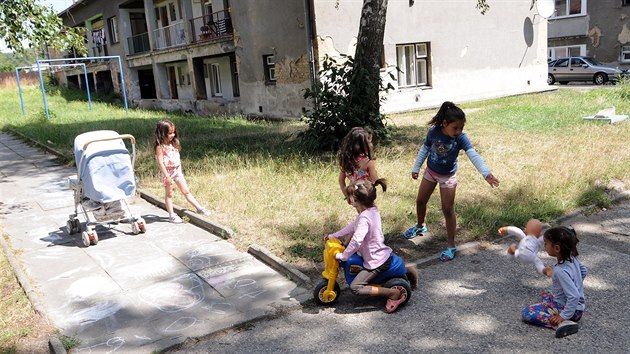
(113, 29)
(215, 80)
(269, 63)
(570, 8)
(554, 53)
(625, 54)
(414, 64)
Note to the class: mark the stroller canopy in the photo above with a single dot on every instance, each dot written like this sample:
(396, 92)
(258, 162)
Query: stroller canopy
(104, 167)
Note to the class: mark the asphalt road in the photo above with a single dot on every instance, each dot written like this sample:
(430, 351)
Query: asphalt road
(469, 305)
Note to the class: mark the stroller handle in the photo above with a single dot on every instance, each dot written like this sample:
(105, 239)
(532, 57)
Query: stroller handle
(121, 136)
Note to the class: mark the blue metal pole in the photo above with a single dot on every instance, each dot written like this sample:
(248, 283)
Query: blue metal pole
(87, 87)
(122, 82)
(122, 78)
(17, 75)
(41, 84)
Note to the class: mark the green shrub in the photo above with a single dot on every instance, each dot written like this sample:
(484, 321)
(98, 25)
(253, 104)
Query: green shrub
(335, 112)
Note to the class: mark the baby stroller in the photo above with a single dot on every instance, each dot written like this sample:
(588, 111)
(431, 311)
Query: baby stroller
(105, 178)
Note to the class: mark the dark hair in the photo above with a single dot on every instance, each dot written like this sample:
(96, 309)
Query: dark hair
(364, 191)
(448, 113)
(566, 238)
(356, 142)
(161, 132)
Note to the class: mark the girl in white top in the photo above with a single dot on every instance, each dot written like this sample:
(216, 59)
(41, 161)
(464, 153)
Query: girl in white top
(166, 145)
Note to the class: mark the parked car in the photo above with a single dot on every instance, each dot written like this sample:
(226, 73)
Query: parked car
(564, 70)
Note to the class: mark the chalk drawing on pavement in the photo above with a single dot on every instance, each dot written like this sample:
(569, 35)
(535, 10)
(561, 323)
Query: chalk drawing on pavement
(219, 308)
(182, 323)
(111, 345)
(183, 292)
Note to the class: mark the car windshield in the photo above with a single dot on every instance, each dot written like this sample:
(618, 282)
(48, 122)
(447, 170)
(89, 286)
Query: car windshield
(591, 61)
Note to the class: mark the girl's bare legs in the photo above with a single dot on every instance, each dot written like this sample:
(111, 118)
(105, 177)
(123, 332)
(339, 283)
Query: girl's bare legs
(183, 187)
(447, 195)
(168, 199)
(424, 193)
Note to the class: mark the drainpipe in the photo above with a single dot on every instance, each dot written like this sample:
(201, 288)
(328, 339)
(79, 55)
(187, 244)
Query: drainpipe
(309, 44)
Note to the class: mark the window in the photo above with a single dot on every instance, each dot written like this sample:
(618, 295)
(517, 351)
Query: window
(113, 29)
(215, 80)
(554, 53)
(625, 2)
(269, 62)
(172, 12)
(570, 8)
(413, 62)
(625, 54)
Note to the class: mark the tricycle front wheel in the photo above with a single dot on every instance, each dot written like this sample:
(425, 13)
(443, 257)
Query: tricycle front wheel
(400, 284)
(323, 297)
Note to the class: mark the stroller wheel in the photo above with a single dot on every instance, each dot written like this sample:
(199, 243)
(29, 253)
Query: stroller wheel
(86, 239)
(94, 238)
(142, 225)
(76, 226)
(70, 226)
(135, 228)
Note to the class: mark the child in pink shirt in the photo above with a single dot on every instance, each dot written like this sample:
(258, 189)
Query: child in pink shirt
(368, 240)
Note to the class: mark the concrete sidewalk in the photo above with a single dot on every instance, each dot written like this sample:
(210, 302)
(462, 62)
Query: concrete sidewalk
(131, 293)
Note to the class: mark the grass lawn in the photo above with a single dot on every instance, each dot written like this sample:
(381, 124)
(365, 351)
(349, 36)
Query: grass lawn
(256, 179)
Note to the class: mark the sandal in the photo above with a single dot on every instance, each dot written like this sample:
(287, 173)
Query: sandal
(415, 231)
(448, 254)
(392, 305)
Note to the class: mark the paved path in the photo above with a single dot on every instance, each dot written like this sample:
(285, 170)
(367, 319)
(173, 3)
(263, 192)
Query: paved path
(470, 305)
(128, 293)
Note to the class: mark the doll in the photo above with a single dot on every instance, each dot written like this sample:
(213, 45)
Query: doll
(530, 241)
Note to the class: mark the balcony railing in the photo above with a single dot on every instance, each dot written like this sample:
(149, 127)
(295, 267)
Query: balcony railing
(138, 43)
(170, 36)
(217, 25)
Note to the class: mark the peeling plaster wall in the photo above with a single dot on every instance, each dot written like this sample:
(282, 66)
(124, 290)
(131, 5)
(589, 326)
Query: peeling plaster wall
(473, 56)
(609, 29)
(270, 27)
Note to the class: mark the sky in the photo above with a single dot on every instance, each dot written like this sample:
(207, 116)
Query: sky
(58, 6)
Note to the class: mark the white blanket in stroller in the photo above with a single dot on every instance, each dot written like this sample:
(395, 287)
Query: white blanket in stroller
(105, 167)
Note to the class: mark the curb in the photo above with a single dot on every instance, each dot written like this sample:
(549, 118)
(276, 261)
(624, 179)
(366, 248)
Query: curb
(280, 265)
(464, 249)
(195, 219)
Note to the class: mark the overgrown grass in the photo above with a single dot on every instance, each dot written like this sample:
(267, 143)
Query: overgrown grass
(21, 329)
(257, 179)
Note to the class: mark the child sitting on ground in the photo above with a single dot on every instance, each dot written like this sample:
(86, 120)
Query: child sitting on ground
(530, 241)
(563, 307)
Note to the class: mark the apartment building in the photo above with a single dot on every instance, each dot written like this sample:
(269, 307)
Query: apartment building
(256, 57)
(595, 28)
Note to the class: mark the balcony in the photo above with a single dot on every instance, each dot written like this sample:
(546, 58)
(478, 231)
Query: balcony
(170, 36)
(217, 25)
(138, 43)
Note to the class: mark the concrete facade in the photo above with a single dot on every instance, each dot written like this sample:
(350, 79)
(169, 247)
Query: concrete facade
(258, 57)
(599, 29)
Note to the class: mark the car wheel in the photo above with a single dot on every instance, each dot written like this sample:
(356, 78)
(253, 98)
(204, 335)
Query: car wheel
(550, 79)
(599, 79)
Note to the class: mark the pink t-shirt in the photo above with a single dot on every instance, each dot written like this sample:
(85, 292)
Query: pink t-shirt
(367, 238)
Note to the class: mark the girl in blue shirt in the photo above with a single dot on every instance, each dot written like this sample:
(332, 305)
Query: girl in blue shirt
(441, 148)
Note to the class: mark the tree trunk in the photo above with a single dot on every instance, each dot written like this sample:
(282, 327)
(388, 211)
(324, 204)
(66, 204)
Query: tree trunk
(365, 86)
